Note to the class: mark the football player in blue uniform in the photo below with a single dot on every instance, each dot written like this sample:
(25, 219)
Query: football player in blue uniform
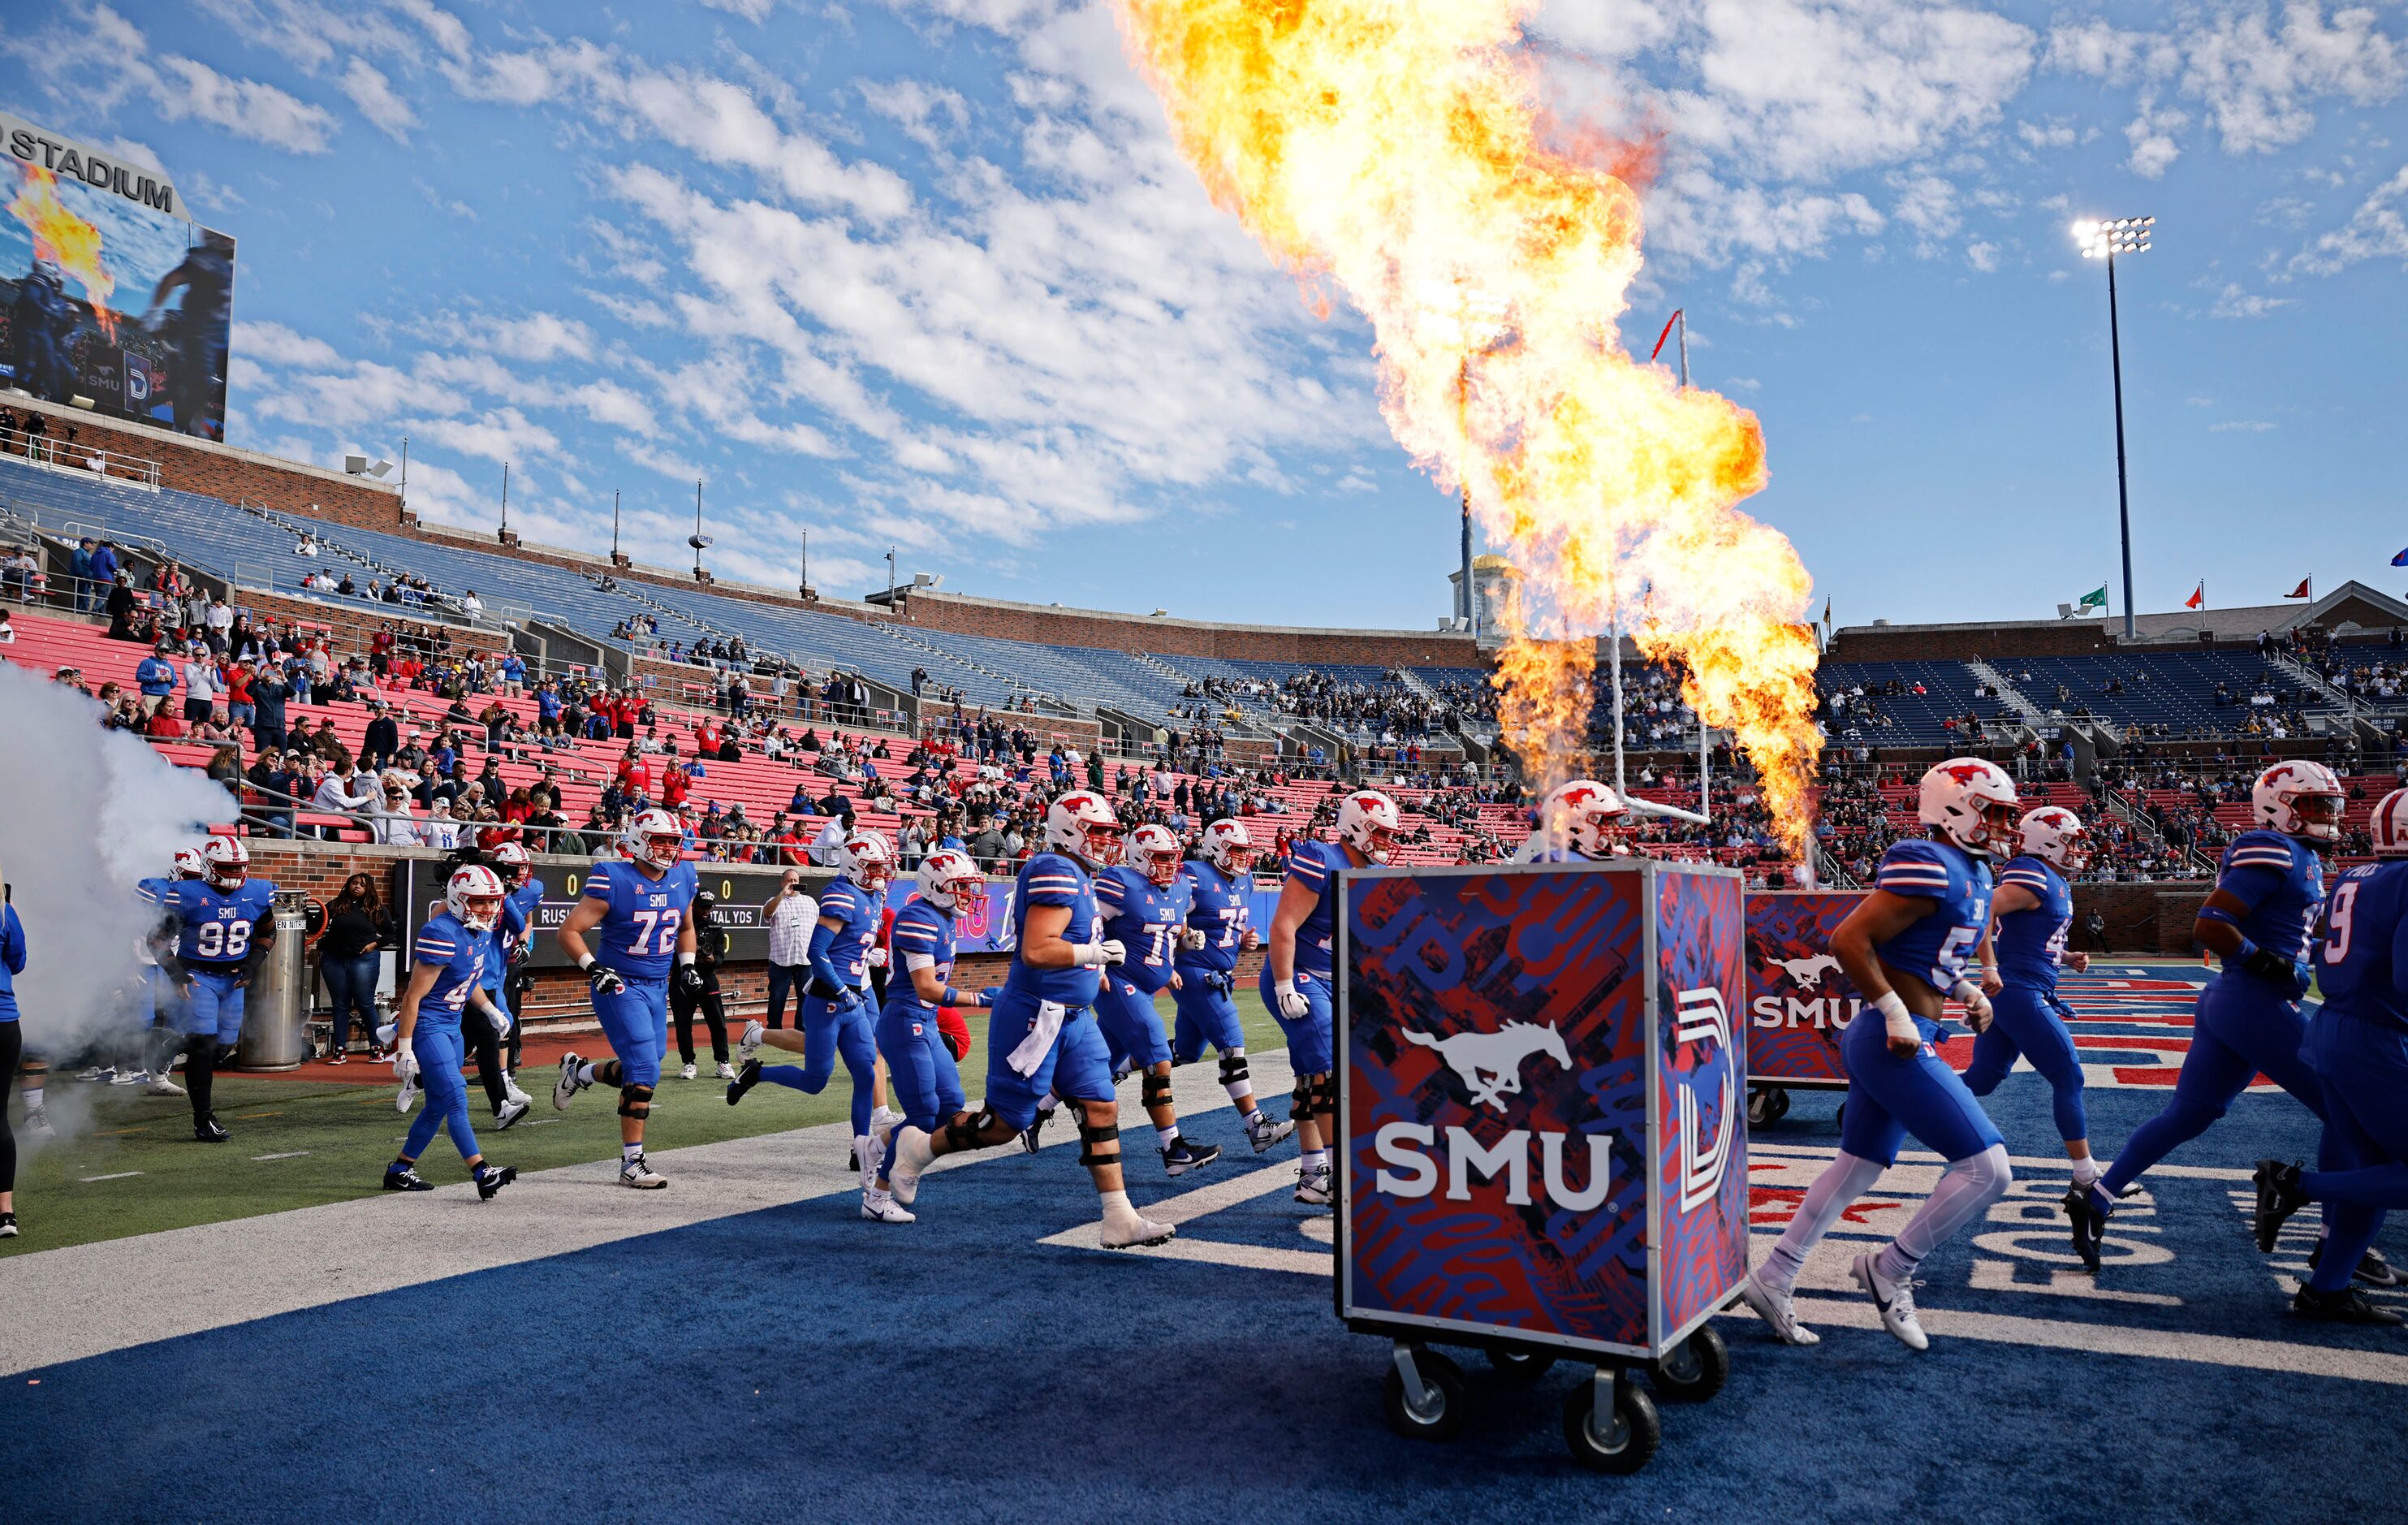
(1578, 821)
(1295, 981)
(448, 959)
(838, 1017)
(224, 923)
(1219, 885)
(162, 1041)
(2032, 912)
(487, 1030)
(515, 940)
(927, 1085)
(2268, 888)
(1905, 947)
(2357, 1045)
(639, 907)
(1145, 904)
(1043, 1039)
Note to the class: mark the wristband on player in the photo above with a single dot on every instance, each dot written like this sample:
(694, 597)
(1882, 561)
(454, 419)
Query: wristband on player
(1965, 992)
(685, 958)
(1087, 956)
(1895, 1020)
(585, 962)
(952, 996)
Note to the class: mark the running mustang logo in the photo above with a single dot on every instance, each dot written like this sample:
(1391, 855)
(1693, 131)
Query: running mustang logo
(1490, 1063)
(1807, 972)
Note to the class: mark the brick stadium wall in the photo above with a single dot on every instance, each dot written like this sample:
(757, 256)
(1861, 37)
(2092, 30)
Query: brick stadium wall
(199, 466)
(2142, 918)
(1181, 638)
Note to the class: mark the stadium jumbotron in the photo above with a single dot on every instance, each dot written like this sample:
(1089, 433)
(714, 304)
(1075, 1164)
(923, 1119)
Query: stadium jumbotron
(1088, 677)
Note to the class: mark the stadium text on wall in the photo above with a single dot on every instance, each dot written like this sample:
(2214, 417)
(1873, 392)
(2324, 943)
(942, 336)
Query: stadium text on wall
(68, 159)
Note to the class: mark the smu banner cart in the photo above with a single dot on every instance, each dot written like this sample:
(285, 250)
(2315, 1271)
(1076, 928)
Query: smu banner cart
(1542, 1141)
(1798, 1001)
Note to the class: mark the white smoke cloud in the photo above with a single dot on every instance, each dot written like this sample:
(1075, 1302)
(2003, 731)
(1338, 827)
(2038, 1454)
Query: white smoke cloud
(89, 813)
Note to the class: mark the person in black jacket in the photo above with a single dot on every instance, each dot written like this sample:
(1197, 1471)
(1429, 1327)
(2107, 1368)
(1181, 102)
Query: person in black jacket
(709, 951)
(349, 957)
(382, 741)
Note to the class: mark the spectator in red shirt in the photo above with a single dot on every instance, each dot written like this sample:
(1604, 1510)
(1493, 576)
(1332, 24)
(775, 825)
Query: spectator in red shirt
(675, 785)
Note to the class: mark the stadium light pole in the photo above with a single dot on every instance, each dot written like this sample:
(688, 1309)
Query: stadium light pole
(890, 579)
(614, 527)
(2105, 240)
(699, 540)
(505, 497)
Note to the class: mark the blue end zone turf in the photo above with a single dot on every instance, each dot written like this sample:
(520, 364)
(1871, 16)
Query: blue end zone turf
(801, 1363)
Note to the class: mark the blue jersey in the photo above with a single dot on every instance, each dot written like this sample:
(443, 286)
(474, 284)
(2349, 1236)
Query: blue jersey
(857, 914)
(1934, 949)
(512, 931)
(213, 926)
(921, 930)
(639, 935)
(12, 961)
(2361, 945)
(1053, 879)
(2031, 944)
(2282, 883)
(1147, 920)
(1316, 866)
(459, 956)
(1217, 906)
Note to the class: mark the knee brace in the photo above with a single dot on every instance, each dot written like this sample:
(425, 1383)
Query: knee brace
(1300, 1101)
(34, 1069)
(1091, 1141)
(1156, 1091)
(1324, 1095)
(962, 1132)
(1233, 1069)
(635, 1102)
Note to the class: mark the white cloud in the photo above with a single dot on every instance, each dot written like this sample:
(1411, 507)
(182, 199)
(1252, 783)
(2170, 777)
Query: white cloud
(373, 93)
(95, 52)
(1982, 256)
(929, 115)
(2374, 231)
(275, 344)
(538, 336)
(751, 10)
(2152, 136)
(2232, 302)
(2241, 426)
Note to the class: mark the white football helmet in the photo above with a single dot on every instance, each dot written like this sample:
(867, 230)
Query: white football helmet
(2391, 825)
(2299, 798)
(473, 896)
(654, 837)
(511, 860)
(1082, 824)
(865, 860)
(225, 863)
(2056, 835)
(1585, 815)
(1972, 802)
(1155, 851)
(189, 864)
(947, 877)
(1367, 821)
(1228, 847)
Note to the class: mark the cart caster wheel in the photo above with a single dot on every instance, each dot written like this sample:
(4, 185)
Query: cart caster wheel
(1693, 1371)
(1630, 1433)
(1444, 1406)
(1767, 1104)
(1520, 1367)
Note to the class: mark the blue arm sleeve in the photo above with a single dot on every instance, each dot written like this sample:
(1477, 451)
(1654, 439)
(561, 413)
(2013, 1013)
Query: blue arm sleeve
(2251, 886)
(12, 941)
(824, 981)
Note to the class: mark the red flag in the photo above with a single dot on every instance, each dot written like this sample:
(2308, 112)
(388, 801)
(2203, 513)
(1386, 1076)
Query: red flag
(1666, 334)
(2199, 599)
(2302, 591)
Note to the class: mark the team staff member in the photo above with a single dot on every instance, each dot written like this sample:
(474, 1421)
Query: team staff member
(709, 951)
(790, 914)
(12, 1047)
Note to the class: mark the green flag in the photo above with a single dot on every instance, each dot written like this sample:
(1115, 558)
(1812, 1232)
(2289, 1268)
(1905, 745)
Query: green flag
(2095, 598)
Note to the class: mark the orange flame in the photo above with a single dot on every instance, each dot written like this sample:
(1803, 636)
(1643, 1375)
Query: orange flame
(1400, 151)
(66, 240)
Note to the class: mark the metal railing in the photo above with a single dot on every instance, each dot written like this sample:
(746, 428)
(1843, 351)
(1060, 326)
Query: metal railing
(58, 453)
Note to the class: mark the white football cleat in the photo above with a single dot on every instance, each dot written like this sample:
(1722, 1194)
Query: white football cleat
(1314, 1187)
(1127, 1229)
(750, 1043)
(868, 1161)
(1263, 1130)
(913, 1154)
(726, 1070)
(1896, 1301)
(687, 1072)
(568, 1085)
(1773, 1306)
(881, 1207)
(37, 1122)
(407, 1097)
(636, 1172)
(385, 1033)
(513, 1108)
(163, 1087)
(511, 1091)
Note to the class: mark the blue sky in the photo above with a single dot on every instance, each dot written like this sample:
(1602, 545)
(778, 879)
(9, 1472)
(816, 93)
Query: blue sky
(927, 273)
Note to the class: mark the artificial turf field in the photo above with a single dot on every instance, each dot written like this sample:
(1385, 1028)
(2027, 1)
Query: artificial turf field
(742, 1345)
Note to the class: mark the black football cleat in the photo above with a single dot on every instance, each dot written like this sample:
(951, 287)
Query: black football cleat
(2373, 1269)
(209, 1131)
(1031, 1137)
(492, 1178)
(745, 1080)
(406, 1178)
(2279, 1196)
(2089, 1222)
(2348, 1306)
(1186, 1155)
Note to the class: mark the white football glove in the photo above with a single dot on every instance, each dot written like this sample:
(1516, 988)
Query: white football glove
(1115, 954)
(1292, 1003)
(876, 958)
(1977, 1005)
(405, 1066)
(1192, 939)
